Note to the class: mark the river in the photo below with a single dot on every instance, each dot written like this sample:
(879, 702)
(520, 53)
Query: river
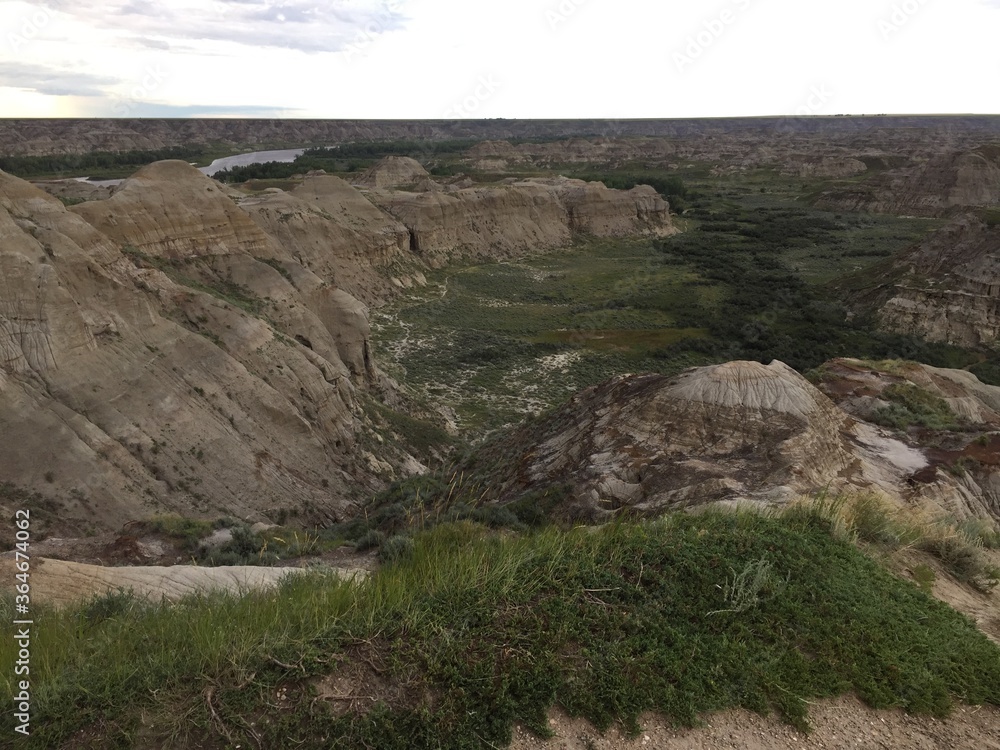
(256, 157)
(239, 160)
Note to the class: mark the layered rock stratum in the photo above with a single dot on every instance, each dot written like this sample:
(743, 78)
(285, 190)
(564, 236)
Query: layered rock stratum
(152, 364)
(945, 289)
(521, 216)
(935, 187)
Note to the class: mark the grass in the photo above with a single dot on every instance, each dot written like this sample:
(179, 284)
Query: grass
(196, 273)
(422, 438)
(873, 520)
(910, 405)
(469, 632)
(246, 547)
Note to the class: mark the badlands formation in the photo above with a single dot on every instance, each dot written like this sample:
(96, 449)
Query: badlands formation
(946, 287)
(179, 347)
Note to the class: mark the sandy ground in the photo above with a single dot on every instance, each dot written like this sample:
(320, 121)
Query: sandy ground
(841, 723)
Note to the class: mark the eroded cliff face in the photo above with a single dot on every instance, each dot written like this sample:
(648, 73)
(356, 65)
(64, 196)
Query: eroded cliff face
(183, 375)
(330, 228)
(936, 187)
(519, 217)
(946, 289)
(651, 443)
(959, 467)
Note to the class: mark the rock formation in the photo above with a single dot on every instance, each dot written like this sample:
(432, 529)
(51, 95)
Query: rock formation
(946, 289)
(955, 180)
(331, 229)
(181, 375)
(178, 346)
(740, 431)
(515, 218)
(391, 172)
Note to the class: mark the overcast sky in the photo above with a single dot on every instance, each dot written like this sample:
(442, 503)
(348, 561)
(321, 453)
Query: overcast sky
(506, 58)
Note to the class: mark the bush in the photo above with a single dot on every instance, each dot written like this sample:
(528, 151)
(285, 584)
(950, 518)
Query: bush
(371, 540)
(395, 549)
(245, 548)
(912, 406)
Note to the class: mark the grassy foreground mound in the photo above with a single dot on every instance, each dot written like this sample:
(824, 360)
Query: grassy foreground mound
(471, 631)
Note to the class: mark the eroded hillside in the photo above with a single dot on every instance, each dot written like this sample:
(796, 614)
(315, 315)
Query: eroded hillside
(180, 347)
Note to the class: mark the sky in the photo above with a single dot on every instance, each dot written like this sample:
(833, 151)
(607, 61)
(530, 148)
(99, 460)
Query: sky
(409, 59)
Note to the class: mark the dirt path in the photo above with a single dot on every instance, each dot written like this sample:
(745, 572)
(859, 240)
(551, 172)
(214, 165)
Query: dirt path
(841, 723)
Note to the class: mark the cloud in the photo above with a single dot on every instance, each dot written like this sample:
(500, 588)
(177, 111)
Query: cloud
(148, 109)
(152, 43)
(53, 81)
(305, 25)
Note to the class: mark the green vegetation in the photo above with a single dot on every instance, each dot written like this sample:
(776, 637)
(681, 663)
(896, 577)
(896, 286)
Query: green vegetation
(467, 633)
(44, 510)
(197, 273)
(910, 405)
(99, 164)
(245, 547)
(420, 503)
(345, 158)
(747, 280)
(188, 531)
(419, 436)
(870, 519)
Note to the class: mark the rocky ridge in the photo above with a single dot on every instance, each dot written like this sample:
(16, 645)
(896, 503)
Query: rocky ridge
(521, 216)
(140, 381)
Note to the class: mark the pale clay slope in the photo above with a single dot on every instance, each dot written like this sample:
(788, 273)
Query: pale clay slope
(837, 723)
(108, 385)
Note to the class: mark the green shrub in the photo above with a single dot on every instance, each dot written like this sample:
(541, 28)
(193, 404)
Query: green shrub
(373, 539)
(395, 549)
(924, 576)
(911, 406)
